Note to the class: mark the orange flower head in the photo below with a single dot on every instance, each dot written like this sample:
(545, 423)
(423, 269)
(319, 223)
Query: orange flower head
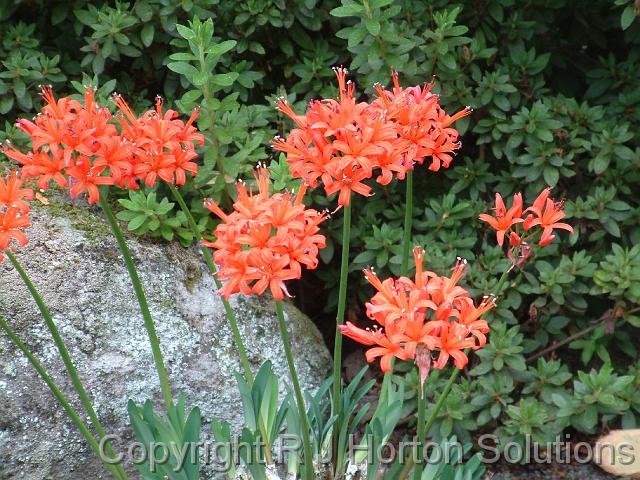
(14, 212)
(504, 219)
(420, 317)
(78, 146)
(345, 143)
(546, 213)
(265, 241)
(13, 194)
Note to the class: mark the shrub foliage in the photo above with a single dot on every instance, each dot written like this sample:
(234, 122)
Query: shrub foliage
(556, 94)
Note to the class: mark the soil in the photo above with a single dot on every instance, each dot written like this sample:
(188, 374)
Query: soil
(548, 472)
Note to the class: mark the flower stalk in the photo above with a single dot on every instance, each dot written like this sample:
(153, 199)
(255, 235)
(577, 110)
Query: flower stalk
(116, 470)
(342, 300)
(304, 421)
(456, 371)
(208, 258)
(421, 432)
(408, 224)
(406, 243)
(64, 353)
(424, 428)
(142, 300)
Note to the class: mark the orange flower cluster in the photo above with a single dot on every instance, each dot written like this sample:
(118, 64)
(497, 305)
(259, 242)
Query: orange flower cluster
(545, 213)
(265, 240)
(14, 212)
(343, 142)
(418, 317)
(80, 147)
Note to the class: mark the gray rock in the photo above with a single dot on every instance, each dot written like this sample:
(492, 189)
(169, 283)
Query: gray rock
(75, 263)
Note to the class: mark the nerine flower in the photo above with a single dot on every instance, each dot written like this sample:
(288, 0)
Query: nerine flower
(504, 219)
(80, 145)
(14, 212)
(418, 318)
(343, 142)
(266, 240)
(545, 213)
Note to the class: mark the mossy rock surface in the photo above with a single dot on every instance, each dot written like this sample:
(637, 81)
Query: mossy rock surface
(75, 263)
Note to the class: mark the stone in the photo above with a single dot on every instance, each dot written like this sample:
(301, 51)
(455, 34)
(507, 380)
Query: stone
(75, 263)
(619, 453)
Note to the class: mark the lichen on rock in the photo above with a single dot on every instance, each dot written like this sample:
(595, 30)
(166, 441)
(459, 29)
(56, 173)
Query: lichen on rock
(76, 265)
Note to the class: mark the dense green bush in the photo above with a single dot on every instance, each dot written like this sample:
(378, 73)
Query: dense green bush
(555, 85)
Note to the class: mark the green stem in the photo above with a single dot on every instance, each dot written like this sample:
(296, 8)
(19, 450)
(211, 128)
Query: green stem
(142, 300)
(86, 433)
(408, 224)
(417, 472)
(308, 455)
(406, 251)
(208, 258)
(454, 376)
(244, 358)
(441, 400)
(64, 353)
(342, 300)
(501, 282)
(456, 371)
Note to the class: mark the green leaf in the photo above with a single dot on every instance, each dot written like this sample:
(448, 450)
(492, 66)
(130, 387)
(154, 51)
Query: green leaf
(502, 102)
(183, 68)
(628, 16)
(59, 14)
(147, 33)
(185, 32)
(85, 17)
(137, 222)
(356, 36)
(224, 79)
(544, 135)
(191, 96)
(221, 48)
(352, 10)
(600, 164)
(373, 26)
(551, 176)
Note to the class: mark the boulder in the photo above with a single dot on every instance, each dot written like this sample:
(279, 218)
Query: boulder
(75, 263)
(618, 453)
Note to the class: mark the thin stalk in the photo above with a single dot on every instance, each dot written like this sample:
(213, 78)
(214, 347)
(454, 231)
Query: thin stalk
(406, 249)
(452, 379)
(342, 300)
(408, 224)
(142, 300)
(308, 455)
(601, 321)
(441, 400)
(501, 282)
(417, 472)
(86, 433)
(208, 258)
(456, 371)
(64, 353)
(423, 428)
(235, 330)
